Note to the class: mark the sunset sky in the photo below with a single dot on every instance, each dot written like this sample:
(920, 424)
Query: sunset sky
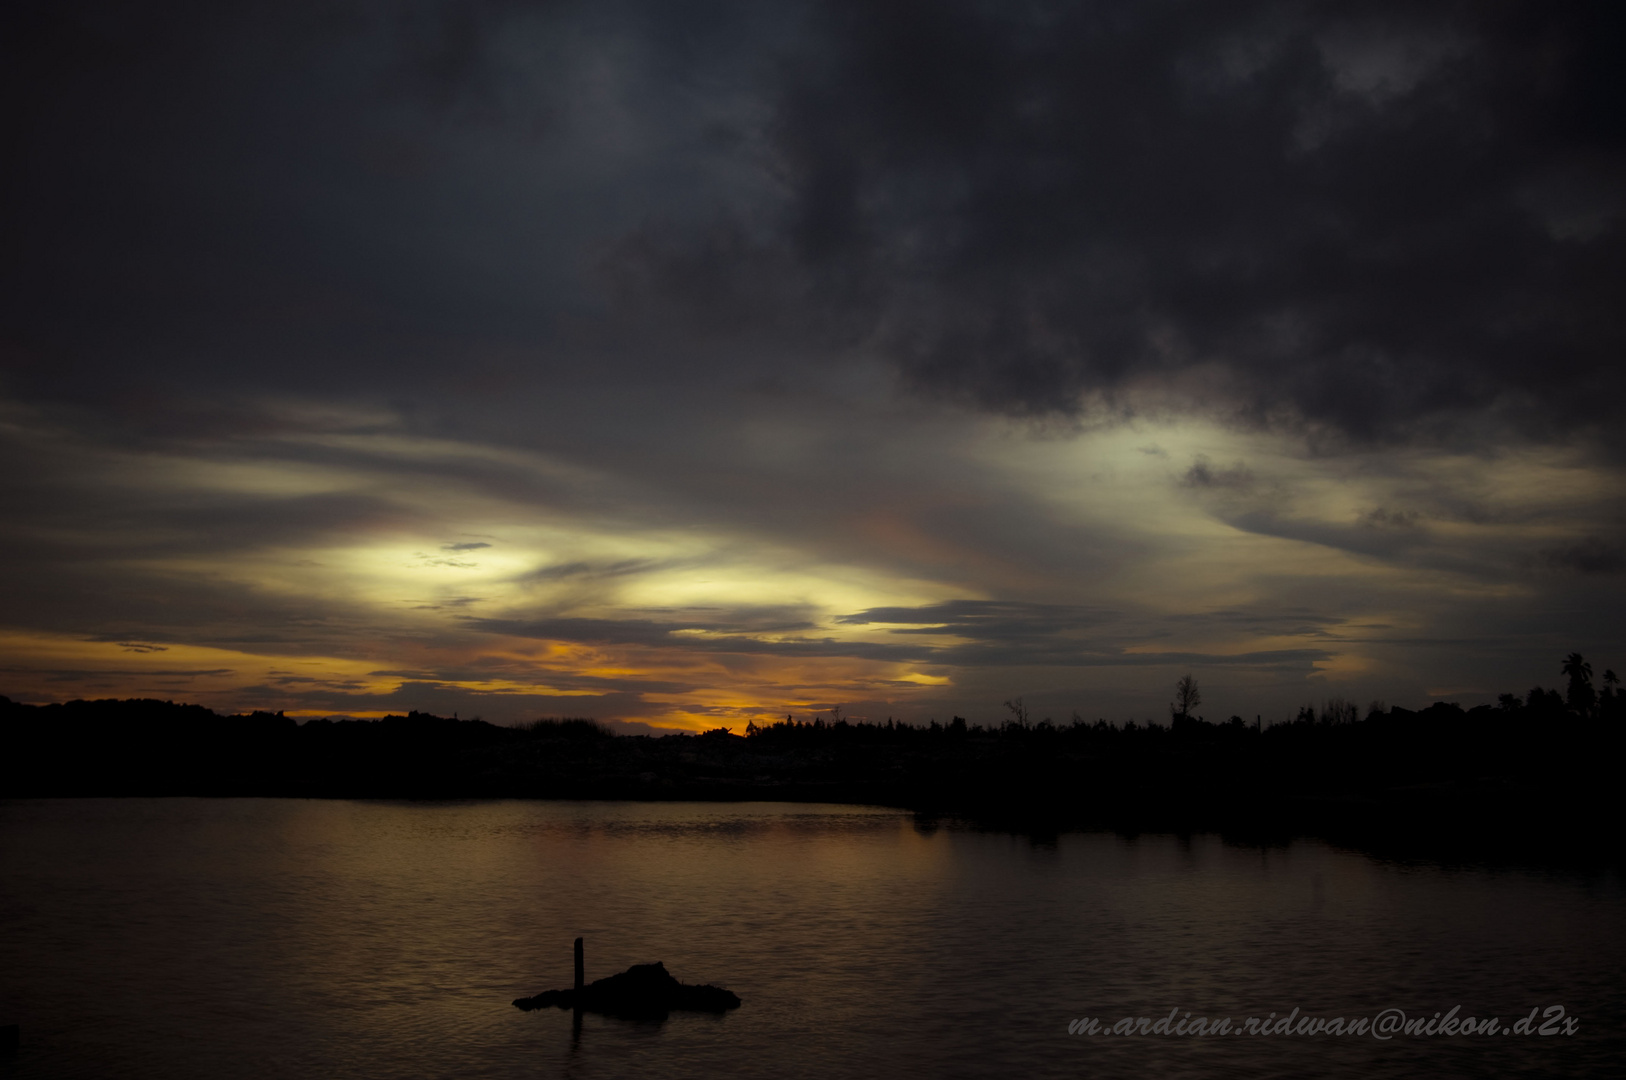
(691, 363)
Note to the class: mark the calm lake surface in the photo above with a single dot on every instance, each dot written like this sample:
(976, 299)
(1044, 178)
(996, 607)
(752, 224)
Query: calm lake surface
(215, 938)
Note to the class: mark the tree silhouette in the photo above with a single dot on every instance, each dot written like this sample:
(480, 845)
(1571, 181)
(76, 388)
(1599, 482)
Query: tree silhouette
(1580, 697)
(1186, 697)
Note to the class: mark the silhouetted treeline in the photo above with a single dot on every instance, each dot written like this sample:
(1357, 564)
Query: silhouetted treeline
(1542, 769)
(146, 747)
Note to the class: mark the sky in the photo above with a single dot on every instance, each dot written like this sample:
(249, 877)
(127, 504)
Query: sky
(683, 365)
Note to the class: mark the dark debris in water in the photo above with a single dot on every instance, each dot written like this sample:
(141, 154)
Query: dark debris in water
(642, 992)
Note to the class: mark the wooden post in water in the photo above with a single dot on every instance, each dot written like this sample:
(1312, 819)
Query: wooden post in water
(576, 1012)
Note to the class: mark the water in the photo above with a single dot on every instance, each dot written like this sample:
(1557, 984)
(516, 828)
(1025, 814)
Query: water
(185, 938)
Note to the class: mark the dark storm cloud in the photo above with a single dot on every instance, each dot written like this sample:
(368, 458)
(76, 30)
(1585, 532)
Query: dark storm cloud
(206, 189)
(1370, 217)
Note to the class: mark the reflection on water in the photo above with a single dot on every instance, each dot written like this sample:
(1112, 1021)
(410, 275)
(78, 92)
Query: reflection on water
(206, 938)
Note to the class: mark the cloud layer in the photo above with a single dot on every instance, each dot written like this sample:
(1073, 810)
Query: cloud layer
(693, 364)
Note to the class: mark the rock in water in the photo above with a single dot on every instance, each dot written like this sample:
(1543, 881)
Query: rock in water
(642, 992)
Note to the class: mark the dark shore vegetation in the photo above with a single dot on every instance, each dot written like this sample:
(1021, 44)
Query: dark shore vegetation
(1535, 775)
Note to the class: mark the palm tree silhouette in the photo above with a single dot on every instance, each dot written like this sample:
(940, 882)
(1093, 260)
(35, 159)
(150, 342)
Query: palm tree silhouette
(1580, 696)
